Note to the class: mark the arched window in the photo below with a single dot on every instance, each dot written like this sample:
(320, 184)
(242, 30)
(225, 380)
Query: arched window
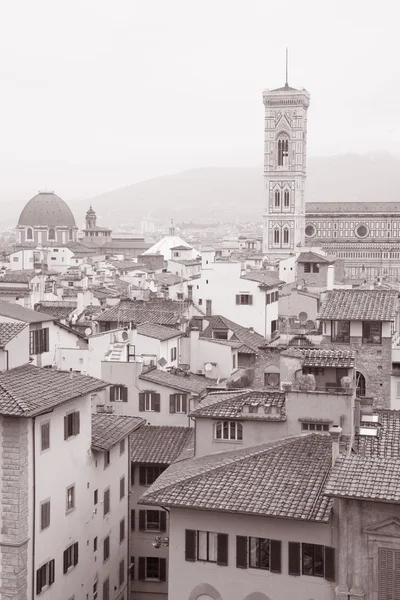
(52, 234)
(283, 151)
(276, 236)
(229, 430)
(277, 198)
(286, 235)
(360, 384)
(70, 234)
(286, 202)
(29, 234)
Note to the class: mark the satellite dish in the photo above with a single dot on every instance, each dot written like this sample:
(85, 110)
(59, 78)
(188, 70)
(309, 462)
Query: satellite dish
(310, 324)
(303, 316)
(162, 362)
(124, 336)
(208, 367)
(88, 331)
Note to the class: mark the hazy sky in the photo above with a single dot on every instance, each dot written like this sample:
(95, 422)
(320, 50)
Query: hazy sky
(98, 94)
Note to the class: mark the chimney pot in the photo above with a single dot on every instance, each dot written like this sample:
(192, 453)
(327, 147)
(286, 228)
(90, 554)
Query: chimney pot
(335, 433)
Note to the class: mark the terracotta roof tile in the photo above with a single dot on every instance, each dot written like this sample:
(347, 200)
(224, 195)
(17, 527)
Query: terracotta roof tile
(58, 310)
(110, 429)
(20, 313)
(160, 444)
(312, 257)
(157, 331)
(230, 405)
(329, 358)
(265, 278)
(285, 479)
(242, 334)
(192, 384)
(8, 331)
(136, 311)
(361, 305)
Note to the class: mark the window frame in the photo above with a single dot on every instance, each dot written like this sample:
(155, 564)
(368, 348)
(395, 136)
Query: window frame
(106, 548)
(45, 576)
(228, 426)
(144, 471)
(314, 549)
(122, 487)
(71, 424)
(258, 550)
(106, 502)
(70, 499)
(122, 532)
(45, 424)
(366, 339)
(70, 557)
(45, 517)
(310, 426)
(338, 338)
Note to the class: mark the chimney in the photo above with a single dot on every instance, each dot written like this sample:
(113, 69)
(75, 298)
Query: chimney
(335, 433)
(330, 279)
(194, 349)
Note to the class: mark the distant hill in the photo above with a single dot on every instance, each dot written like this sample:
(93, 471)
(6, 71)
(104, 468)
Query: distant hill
(224, 194)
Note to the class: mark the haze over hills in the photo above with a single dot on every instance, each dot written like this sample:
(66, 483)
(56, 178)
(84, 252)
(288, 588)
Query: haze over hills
(226, 194)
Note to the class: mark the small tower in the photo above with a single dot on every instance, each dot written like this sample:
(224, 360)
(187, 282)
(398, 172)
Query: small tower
(285, 144)
(172, 228)
(90, 218)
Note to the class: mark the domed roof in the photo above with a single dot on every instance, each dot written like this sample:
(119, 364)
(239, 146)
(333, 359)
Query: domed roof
(46, 209)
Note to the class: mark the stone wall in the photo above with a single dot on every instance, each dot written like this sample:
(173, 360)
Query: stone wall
(14, 509)
(265, 359)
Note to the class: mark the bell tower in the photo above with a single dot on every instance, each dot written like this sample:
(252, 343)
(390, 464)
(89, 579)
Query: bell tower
(285, 152)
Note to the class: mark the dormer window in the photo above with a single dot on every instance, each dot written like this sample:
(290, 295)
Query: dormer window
(229, 431)
(372, 332)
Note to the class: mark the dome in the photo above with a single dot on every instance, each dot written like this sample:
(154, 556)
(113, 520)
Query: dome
(48, 210)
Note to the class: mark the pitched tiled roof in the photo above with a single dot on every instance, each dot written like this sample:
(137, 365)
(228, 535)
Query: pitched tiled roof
(157, 331)
(372, 472)
(136, 311)
(242, 334)
(265, 278)
(168, 279)
(24, 276)
(160, 444)
(285, 479)
(192, 384)
(311, 257)
(109, 429)
(329, 358)
(58, 310)
(362, 305)
(27, 391)
(229, 405)
(20, 313)
(8, 331)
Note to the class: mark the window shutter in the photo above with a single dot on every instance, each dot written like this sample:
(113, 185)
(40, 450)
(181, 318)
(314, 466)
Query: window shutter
(112, 393)
(268, 298)
(163, 569)
(329, 563)
(294, 558)
(141, 402)
(241, 552)
(276, 553)
(132, 473)
(39, 581)
(65, 428)
(65, 559)
(184, 403)
(250, 299)
(142, 520)
(163, 521)
(142, 568)
(156, 402)
(222, 549)
(124, 394)
(237, 299)
(76, 423)
(142, 475)
(46, 339)
(51, 571)
(190, 544)
(172, 403)
(132, 520)
(132, 569)
(76, 553)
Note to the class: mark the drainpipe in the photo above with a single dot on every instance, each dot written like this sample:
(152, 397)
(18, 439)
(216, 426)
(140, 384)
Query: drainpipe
(7, 360)
(33, 503)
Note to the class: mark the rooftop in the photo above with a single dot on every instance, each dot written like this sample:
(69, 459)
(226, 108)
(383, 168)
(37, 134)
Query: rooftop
(360, 305)
(190, 383)
(28, 390)
(265, 278)
(24, 276)
(58, 310)
(312, 257)
(168, 279)
(329, 358)
(109, 429)
(8, 331)
(230, 405)
(160, 444)
(20, 313)
(241, 334)
(182, 247)
(158, 332)
(351, 207)
(285, 479)
(136, 311)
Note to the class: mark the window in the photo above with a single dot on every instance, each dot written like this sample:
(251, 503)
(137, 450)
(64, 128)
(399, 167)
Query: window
(244, 299)
(39, 341)
(106, 502)
(148, 474)
(95, 590)
(152, 569)
(132, 568)
(277, 196)
(70, 498)
(179, 296)
(70, 557)
(118, 393)
(106, 589)
(206, 546)
(340, 332)
(52, 234)
(274, 326)
(286, 235)
(132, 473)
(286, 199)
(233, 361)
(71, 425)
(95, 544)
(178, 403)
(45, 436)
(29, 234)
(258, 553)
(283, 151)
(15, 258)
(372, 332)
(228, 430)
(316, 560)
(44, 514)
(70, 284)
(173, 354)
(122, 487)
(271, 379)
(122, 447)
(106, 458)
(121, 530)
(45, 576)
(388, 573)
(220, 335)
(152, 520)
(121, 572)
(106, 548)
(315, 426)
(208, 308)
(149, 401)
(276, 236)
(95, 497)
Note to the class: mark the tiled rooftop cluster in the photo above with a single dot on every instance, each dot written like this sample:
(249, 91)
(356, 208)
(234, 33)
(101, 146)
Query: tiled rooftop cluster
(8, 331)
(232, 405)
(329, 358)
(240, 334)
(190, 383)
(110, 429)
(360, 305)
(160, 444)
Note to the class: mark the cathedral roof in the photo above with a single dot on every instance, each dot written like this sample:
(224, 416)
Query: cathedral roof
(48, 210)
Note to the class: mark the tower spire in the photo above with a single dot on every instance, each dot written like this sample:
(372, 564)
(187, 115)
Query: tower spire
(287, 67)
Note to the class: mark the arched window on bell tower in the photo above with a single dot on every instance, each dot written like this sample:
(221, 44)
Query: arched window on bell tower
(277, 199)
(286, 199)
(283, 151)
(286, 236)
(277, 236)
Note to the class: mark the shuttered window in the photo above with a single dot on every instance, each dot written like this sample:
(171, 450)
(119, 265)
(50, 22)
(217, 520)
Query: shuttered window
(152, 520)
(207, 546)
(132, 520)
(244, 299)
(315, 560)
(45, 576)
(44, 515)
(71, 424)
(152, 569)
(45, 436)
(149, 402)
(389, 574)
(294, 558)
(122, 487)
(106, 501)
(106, 589)
(241, 552)
(39, 341)
(121, 530)
(118, 393)
(178, 403)
(121, 572)
(70, 557)
(106, 548)
(258, 553)
(148, 474)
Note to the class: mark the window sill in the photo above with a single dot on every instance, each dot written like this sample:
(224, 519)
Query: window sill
(154, 580)
(70, 510)
(228, 441)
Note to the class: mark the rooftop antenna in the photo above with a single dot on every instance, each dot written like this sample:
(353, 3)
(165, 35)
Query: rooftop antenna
(287, 66)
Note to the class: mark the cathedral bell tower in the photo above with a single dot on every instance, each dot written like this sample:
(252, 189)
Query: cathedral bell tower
(285, 145)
